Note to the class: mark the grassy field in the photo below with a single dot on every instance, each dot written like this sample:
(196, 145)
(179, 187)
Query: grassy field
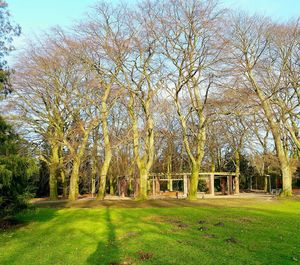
(232, 231)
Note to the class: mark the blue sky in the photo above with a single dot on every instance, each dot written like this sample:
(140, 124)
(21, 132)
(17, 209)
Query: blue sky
(36, 15)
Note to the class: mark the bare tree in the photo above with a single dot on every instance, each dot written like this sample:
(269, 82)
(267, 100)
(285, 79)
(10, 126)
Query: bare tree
(254, 57)
(43, 90)
(188, 32)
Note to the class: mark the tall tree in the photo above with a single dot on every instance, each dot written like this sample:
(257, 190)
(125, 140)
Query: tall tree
(16, 169)
(8, 31)
(189, 35)
(255, 58)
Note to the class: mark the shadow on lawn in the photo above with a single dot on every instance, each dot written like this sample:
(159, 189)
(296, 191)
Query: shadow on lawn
(106, 252)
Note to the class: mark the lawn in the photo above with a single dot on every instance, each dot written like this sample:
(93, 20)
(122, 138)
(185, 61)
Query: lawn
(234, 231)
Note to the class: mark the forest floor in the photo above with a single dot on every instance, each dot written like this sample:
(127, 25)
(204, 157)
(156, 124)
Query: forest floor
(163, 232)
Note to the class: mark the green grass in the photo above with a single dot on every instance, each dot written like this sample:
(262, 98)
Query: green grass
(267, 232)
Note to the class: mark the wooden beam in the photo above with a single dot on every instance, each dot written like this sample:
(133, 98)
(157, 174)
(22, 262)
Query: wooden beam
(212, 184)
(185, 185)
(200, 174)
(230, 184)
(153, 187)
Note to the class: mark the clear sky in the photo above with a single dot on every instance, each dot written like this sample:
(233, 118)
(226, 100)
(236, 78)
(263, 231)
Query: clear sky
(36, 15)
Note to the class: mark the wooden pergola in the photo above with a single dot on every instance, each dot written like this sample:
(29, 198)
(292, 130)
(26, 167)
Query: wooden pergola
(226, 181)
(154, 180)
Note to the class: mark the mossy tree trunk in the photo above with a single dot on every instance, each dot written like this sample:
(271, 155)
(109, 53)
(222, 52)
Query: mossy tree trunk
(282, 153)
(107, 146)
(78, 154)
(195, 157)
(111, 186)
(237, 171)
(169, 171)
(192, 193)
(53, 170)
(94, 160)
(74, 190)
(62, 173)
(144, 161)
(64, 182)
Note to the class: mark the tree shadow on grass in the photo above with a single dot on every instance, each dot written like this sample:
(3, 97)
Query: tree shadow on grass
(24, 218)
(23, 239)
(107, 252)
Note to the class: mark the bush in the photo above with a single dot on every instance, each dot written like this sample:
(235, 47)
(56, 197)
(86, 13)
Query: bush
(15, 172)
(202, 186)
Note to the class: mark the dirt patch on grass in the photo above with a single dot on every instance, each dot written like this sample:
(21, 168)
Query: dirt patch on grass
(128, 235)
(203, 228)
(144, 255)
(219, 224)
(174, 221)
(153, 219)
(177, 223)
(163, 219)
(232, 240)
(246, 220)
(182, 225)
(186, 242)
(209, 236)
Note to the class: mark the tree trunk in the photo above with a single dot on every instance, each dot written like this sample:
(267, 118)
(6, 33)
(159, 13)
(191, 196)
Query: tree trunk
(275, 129)
(107, 151)
(266, 183)
(103, 174)
(143, 189)
(94, 160)
(62, 171)
(94, 175)
(63, 182)
(53, 170)
(169, 176)
(192, 194)
(286, 180)
(53, 183)
(111, 186)
(74, 189)
(144, 161)
(73, 193)
(237, 171)
(93, 186)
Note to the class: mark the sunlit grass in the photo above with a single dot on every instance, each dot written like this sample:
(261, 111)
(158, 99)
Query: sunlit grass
(248, 232)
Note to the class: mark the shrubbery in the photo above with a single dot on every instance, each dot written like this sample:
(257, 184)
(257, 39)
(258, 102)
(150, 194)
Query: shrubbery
(16, 170)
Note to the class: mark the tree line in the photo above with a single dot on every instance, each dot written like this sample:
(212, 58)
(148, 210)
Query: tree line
(161, 86)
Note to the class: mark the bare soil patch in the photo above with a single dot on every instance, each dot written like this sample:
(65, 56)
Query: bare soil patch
(232, 240)
(209, 236)
(144, 255)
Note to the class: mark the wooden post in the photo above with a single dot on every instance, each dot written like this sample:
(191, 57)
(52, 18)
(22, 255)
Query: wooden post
(185, 185)
(136, 187)
(118, 185)
(212, 184)
(237, 183)
(230, 185)
(122, 187)
(153, 187)
(93, 186)
(227, 184)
